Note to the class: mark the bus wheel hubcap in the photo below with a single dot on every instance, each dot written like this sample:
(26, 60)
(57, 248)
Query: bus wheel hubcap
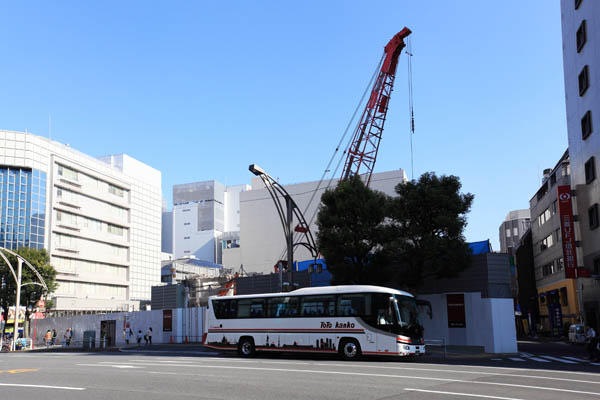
(350, 349)
(246, 348)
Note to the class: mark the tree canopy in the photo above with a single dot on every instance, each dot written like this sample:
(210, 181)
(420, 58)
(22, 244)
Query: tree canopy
(29, 293)
(367, 237)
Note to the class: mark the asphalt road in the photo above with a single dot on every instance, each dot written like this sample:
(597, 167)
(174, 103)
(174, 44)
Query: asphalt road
(157, 375)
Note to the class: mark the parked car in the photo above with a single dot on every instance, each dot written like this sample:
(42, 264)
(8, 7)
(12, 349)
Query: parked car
(576, 334)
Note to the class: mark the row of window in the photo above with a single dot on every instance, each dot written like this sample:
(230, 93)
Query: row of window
(72, 243)
(295, 306)
(72, 197)
(91, 223)
(556, 297)
(71, 265)
(93, 290)
(77, 176)
(552, 267)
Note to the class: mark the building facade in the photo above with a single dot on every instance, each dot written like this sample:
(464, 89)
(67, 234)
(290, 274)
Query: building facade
(262, 242)
(512, 229)
(203, 212)
(558, 296)
(88, 215)
(581, 62)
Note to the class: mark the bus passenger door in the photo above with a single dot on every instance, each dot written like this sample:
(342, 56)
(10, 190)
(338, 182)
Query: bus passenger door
(385, 319)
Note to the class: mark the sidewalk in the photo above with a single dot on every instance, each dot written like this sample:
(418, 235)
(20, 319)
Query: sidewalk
(190, 348)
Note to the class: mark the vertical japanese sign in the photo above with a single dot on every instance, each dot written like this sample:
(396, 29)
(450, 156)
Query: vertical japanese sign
(556, 318)
(456, 310)
(567, 229)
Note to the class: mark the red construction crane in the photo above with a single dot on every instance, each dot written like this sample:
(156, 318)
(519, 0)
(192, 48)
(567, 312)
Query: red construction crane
(362, 153)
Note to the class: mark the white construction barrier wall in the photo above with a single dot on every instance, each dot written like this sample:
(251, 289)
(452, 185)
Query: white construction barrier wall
(187, 324)
(488, 322)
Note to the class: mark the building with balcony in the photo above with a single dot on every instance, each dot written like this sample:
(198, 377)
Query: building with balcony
(99, 219)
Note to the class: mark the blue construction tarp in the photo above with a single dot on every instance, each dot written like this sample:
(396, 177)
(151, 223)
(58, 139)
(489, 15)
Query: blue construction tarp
(480, 247)
(322, 278)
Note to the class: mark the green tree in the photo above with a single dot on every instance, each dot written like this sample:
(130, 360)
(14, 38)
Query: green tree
(29, 293)
(351, 232)
(428, 218)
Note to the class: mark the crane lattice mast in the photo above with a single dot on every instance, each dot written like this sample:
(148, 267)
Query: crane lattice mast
(362, 153)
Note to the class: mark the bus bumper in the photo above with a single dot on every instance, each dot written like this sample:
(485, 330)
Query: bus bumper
(411, 349)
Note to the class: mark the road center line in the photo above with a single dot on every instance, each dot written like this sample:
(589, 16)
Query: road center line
(382, 376)
(461, 394)
(41, 386)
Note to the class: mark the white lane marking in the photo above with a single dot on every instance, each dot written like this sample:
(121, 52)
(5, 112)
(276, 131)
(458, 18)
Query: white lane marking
(41, 386)
(522, 354)
(461, 394)
(176, 373)
(406, 369)
(594, 363)
(575, 359)
(516, 359)
(496, 359)
(538, 359)
(313, 371)
(559, 360)
(109, 365)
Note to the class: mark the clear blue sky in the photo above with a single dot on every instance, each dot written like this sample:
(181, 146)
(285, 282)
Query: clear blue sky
(200, 90)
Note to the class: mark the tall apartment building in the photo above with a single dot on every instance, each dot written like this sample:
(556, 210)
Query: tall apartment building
(557, 294)
(581, 61)
(206, 219)
(512, 229)
(98, 219)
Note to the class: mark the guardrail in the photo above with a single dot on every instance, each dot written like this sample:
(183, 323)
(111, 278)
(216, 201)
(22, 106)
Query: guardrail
(437, 342)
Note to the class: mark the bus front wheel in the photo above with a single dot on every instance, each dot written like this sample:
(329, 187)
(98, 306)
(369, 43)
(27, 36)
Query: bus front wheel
(246, 347)
(350, 349)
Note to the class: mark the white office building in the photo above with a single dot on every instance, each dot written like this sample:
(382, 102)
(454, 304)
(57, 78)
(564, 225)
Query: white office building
(262, 241)
(203, 213)
(99, 219)
(581, 65)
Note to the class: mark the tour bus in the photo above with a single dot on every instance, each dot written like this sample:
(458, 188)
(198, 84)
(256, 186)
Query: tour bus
(346, 320)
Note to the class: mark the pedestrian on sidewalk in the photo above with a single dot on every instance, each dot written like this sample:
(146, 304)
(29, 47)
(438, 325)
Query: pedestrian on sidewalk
(53, 337)
(149, 336)
(48, 338)
(590, 338)
(67, 336)
(139, 337)
(128, 334)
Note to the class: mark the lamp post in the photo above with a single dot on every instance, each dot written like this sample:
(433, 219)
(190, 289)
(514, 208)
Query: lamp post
(18, 303)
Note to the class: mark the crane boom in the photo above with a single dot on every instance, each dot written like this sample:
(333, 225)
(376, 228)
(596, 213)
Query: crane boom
(362, 153)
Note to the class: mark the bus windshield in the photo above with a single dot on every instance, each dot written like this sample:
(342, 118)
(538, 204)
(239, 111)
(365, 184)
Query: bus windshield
(407, 316)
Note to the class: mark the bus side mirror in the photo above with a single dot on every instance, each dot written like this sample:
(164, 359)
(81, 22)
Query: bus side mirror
(425, 305)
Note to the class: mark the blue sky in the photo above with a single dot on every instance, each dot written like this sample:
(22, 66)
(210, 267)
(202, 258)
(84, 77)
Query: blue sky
(200, 90)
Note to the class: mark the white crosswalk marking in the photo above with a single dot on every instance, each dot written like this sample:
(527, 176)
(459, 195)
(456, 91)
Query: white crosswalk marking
(575, 359)
(516, 359)
(537, 359)
(559, 360)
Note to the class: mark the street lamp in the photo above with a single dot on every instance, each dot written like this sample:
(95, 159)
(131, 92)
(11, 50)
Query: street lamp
(18, 276)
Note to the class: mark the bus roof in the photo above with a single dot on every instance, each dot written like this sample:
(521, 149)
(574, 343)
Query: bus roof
(325, 290)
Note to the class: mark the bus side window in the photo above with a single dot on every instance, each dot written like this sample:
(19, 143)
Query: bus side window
(350, 305)
(220, 307)
(232, 309)
(317, 306)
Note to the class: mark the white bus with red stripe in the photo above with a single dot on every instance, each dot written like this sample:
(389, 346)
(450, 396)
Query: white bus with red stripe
(349, 320)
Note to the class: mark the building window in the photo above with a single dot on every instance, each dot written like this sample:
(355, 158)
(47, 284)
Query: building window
(577, 3)
(593, 216)
(581, 36)
(515, 231)
(68, 173)
(546, 242)
(117, 191)
(544, 217)
(507, 232)
(586, 125)
(554, 207)
(590, 170)
(584, 80)
(560, 264)
(564, 299)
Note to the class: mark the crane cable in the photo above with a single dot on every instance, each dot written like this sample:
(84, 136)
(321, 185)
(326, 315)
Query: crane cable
(335, 152)
(410, 105)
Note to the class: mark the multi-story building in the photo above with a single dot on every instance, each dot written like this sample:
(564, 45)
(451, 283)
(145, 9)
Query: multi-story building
(581, 61)
(262, 242)
(203, 212)
(512, 229)
(98, 219)
(557, 294)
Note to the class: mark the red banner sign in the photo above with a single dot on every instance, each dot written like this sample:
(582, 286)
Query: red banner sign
(567, 229)
(456, 310)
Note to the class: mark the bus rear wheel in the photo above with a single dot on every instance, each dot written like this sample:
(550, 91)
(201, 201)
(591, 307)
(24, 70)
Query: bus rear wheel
(350, 350)
(246, 347)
